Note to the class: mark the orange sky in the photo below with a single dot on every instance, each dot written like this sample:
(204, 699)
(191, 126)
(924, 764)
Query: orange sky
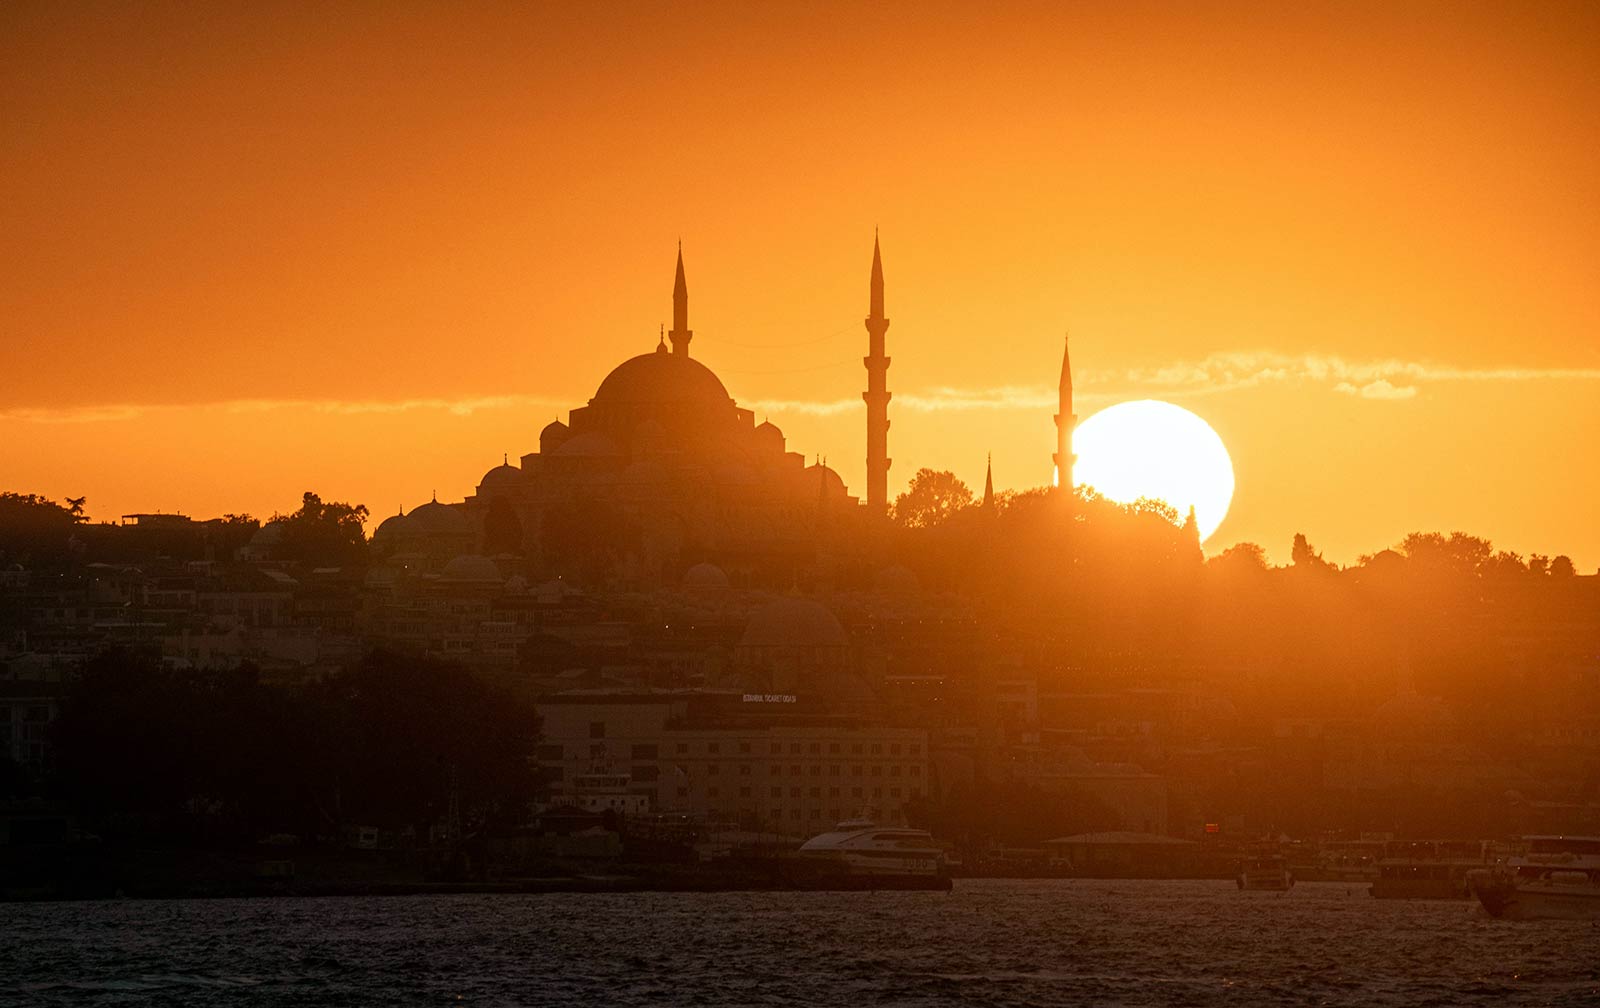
(245, 254)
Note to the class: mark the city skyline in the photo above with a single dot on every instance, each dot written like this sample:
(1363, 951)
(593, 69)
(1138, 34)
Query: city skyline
(1370, 276)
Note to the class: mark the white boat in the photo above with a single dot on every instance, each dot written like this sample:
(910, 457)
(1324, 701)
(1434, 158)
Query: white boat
(1545, 877)
(1264, 869)
(863, 855)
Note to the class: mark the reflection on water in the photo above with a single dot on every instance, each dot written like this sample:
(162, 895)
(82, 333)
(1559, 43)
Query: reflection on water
(990, 942)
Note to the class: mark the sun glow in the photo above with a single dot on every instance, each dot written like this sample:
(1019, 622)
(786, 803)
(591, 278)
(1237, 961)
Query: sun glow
(1149, 448)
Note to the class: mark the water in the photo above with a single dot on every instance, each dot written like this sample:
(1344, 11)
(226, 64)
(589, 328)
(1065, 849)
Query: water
(990, 942)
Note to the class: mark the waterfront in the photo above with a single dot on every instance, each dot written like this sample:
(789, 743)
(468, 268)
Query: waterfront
(990, 942)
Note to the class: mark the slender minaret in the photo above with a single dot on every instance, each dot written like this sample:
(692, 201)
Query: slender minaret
(1066, 420)
(988, 485)
(877, 393)
(681, 333)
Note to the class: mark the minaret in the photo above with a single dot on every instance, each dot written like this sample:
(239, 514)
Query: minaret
(988, 485)
(877, 393)
(1066, 421)
(680, 334)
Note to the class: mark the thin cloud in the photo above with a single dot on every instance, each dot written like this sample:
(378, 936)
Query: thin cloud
(1387, 379)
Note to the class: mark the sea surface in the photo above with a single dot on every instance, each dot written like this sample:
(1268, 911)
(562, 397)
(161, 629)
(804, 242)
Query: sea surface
(990, 942)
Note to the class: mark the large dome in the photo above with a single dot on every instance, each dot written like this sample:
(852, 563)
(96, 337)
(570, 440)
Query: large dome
(662, 377)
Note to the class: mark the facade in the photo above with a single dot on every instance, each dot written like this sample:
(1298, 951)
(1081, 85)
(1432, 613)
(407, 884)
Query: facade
(767, 762)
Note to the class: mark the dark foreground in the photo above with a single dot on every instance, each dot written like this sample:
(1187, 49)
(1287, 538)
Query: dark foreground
(985, 943)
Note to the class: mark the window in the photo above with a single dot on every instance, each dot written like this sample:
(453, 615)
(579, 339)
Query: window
(816, 771)
(794, 748)
(894, 792)
(877, 749)
(894, 749)
(816, 792)
(777, 748)
(855, 792)
(744, 769)
(894, 771)
(683, 748)
(711, 792)
(833, 792)
(777, 792)
(833, 771)
(815, 748)
(833, 748)
(597, 729)
(744, 747)
(794, 770)
(816, 813)
(794, 813)
(855, 771)
(856, 748)
(877, 771)
(914, 749)
(712, 769)
(644, 751)
(683, 792)
(646, 773)
(877, 792)
(915, 771)
(744, 792)
(713, 747)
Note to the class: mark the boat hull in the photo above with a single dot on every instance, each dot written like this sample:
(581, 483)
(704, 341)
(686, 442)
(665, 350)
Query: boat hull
(844, 874)
(1512, 898)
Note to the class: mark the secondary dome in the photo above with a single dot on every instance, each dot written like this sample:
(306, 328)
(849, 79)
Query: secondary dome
(391, 527)
(705, 576)
(662, 378)
(793, 623)
(501, 477)
(434, 518)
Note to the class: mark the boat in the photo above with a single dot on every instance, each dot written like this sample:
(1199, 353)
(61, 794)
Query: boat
(1429, 869)
(1340, 861)
(1546, 877)
(860, 854)
(1264, 868)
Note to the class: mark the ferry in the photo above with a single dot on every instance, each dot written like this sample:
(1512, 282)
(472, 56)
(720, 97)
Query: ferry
(1545, 877)
(1429, 869)
(860, 854)
(1264, 869)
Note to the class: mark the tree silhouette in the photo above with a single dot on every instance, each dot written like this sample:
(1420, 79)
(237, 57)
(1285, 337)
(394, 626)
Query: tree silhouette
(324, 534)
(931, 499)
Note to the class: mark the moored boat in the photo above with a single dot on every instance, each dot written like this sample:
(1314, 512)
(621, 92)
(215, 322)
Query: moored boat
(862, 855)
(1429, 869)
(1264, 868)
(1545, 877)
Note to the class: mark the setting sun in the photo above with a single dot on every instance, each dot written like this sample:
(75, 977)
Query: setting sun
(1149, 448)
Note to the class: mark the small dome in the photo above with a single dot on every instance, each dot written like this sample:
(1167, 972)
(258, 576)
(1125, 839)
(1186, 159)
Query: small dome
(390, 527)
(434, 518)
(591, 445)
(705, 576)
(472, 569)
(820, 473)
(553, 436)
(501, 477)
(769, 433)
(793, 622)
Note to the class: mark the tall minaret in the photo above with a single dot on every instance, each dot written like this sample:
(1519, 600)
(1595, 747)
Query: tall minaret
(877, 393)
(1066, 420)
(680, 334)
(988, 485)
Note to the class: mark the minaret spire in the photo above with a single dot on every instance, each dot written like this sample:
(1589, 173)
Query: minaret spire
(988, 484)
(1066, 421)
(680, 334)
(877, 393)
